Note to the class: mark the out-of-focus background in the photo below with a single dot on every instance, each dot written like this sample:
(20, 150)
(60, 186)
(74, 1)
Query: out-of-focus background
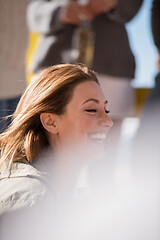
(14, 43)
(141, 41)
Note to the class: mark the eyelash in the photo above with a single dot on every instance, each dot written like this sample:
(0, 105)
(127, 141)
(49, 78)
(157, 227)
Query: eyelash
(94, 110)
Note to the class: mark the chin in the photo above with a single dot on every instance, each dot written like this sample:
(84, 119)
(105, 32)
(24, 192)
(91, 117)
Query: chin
(86, 150)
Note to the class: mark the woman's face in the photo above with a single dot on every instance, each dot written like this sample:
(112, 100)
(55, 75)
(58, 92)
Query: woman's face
(86, 119)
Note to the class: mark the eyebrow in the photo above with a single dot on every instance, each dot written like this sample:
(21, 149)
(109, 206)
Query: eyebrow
(94, 100)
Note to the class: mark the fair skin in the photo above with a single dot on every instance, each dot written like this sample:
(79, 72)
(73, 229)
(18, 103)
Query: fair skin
(74, 13)
(78, 133)
(85, 119)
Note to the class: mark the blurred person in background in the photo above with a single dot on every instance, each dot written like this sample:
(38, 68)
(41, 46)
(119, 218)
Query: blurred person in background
(13, 43)
(154, 97)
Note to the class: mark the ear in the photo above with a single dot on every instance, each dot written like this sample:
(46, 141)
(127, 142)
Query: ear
(48, 121)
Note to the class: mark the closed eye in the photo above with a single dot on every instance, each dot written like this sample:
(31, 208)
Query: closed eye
(91, 110)
(94, 111)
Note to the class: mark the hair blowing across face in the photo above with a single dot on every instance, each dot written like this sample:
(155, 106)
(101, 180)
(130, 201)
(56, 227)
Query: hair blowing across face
(25, 138)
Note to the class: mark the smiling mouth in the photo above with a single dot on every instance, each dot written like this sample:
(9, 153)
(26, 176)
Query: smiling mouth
(97, 137)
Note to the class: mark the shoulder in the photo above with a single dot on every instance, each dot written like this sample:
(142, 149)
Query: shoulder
(20, 186)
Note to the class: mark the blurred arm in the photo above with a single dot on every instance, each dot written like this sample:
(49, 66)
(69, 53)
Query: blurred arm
(101, 6)
(124, 10)
(47, 17)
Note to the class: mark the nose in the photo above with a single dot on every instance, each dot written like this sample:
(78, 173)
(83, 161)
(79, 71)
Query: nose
(106, 121)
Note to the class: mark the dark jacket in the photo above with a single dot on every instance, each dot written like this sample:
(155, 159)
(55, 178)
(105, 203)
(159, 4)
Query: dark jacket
(155, 20)
(112, 53)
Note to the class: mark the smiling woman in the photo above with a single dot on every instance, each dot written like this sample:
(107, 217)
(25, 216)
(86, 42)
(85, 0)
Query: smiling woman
(64, 110)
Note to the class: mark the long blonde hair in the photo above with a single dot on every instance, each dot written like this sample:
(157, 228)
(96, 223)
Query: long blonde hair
(50, 92)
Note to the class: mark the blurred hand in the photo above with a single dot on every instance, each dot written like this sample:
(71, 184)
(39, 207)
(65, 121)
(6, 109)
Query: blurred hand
(100, 6)
(74, 13)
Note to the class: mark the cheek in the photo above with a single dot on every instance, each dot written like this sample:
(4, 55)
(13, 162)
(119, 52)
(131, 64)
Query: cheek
(84, 125)
(76, 127)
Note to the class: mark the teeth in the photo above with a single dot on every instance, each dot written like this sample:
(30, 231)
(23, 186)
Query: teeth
(98, 136)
